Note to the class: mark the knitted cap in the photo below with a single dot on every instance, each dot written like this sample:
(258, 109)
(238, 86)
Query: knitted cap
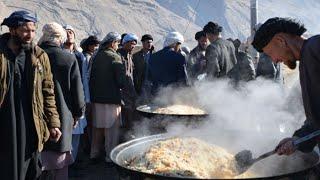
(52, 32)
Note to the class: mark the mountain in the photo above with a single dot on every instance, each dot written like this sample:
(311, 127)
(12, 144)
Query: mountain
(158, 17)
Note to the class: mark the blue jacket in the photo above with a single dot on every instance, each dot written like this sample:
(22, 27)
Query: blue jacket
(167, 67)
(83, 63)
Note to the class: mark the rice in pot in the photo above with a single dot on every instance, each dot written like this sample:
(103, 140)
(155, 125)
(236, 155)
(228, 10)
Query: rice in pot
(187, 157)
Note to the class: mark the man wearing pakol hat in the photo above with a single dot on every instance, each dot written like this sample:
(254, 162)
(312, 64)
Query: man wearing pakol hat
(56, 157)
(220, 54)
(141, 59)
(196, 62)
(28, 110)
(107, 79)
(128, 92)
(90, 46)
(168, 66)
(281, 39)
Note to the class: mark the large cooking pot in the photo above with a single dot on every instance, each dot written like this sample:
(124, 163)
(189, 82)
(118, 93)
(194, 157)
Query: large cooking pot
(149, 110)
(158, 122)
(133, 148)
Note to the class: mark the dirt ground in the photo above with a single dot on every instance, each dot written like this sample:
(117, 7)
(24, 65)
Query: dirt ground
(85, 169)
(89, 171)
(94, 172)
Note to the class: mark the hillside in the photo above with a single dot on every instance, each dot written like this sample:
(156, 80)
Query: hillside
(158, 17)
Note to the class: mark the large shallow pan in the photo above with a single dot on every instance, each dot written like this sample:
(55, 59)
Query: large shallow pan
(135, 147)
(149, 110)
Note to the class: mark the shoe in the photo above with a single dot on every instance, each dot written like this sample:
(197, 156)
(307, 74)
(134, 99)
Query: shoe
(87, 150)
(78, 166)
(75, 174)
(109, 164)
(95, 160)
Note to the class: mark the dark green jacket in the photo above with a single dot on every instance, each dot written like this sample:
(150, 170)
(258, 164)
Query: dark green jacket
(43, 99)
(107, 77)
(139, 71)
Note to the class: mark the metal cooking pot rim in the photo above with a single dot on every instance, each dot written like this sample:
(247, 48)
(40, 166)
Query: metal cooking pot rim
(150, 109)
(118, 150)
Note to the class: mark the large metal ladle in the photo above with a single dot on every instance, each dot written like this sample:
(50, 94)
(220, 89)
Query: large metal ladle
(244, 158)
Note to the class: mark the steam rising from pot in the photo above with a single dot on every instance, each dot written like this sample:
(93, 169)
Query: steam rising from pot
(254, 116)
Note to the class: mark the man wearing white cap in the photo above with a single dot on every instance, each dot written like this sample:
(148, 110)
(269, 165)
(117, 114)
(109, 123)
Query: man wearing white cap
(69, 96)
(167, 66)
(106, 80)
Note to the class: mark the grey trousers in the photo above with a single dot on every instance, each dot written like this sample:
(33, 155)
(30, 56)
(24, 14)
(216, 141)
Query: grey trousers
(111, 139)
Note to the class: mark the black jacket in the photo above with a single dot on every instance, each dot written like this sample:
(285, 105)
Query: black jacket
(68, 93)
(309, 68)
(167, 67)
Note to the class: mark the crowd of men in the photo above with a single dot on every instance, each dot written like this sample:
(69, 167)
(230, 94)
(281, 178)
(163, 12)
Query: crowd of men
(51, 92)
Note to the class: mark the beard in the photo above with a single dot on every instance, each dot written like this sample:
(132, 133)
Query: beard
(203, 47)
(291, 64)
(26, 46)
(17, 41)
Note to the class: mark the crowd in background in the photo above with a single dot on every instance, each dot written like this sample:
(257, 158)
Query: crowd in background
(55, 89)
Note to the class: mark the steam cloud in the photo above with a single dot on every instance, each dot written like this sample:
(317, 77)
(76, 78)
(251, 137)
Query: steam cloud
(254, 116)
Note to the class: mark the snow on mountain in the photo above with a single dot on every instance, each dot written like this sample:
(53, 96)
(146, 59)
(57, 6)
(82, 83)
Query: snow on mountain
(234, 16)
(158, 17)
